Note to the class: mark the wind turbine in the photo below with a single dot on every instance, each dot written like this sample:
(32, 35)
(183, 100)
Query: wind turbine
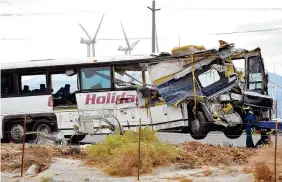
(157, 43)
(90, 41)
(129, 47)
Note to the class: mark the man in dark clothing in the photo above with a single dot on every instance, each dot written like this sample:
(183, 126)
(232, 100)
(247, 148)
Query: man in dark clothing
(250, 120)
(265, 137)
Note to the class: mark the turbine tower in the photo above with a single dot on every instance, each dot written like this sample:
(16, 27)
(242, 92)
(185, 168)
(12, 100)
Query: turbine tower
(129, 48)
(157, 43)
(90, 41)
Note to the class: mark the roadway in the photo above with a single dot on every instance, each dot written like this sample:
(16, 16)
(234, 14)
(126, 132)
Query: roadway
(217, 138)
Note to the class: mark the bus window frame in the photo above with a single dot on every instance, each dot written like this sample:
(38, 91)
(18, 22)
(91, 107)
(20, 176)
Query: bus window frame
(13, 77)
(122, 88)
(262, 73)
(31, 72)
(96, 90)
(60, 71)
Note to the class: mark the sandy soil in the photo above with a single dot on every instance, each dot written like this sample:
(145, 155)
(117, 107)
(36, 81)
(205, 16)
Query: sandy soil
(68, 170)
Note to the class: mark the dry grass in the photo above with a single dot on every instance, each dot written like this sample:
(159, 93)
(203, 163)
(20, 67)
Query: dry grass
(117, 155)
(42, 155)
(263, 172)
(198, 154)
(262, 164)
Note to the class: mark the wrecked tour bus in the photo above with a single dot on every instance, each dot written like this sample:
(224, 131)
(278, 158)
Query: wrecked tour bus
(192, 90)
(209, 89)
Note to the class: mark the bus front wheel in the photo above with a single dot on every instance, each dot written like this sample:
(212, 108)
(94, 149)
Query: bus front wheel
(233, 132)
(199, 127)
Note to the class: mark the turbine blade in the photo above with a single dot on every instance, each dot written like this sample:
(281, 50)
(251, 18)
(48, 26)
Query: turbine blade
(125, 36)
(94, 38)
(85, 31)
(134, 44)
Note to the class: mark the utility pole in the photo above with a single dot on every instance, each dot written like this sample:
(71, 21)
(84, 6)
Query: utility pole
(153, 9)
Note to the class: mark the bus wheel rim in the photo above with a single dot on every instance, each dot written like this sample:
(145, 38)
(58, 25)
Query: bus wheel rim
(17, 131)
(195, 126)
(43, 128)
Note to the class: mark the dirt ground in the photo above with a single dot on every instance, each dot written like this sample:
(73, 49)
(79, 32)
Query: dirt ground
(69, 170)
(203, 162)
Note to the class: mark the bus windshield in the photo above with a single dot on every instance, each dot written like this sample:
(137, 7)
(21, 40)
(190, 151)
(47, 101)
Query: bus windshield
(255, 73)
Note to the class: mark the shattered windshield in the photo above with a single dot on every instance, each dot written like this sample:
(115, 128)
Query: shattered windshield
(255, 73)
(209, 77)
(128, 78)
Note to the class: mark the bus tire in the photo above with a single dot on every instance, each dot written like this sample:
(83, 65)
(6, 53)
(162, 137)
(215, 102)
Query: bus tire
(41, 126)
(198, 127)
(75, 138)
(233, 132)
(15, 132)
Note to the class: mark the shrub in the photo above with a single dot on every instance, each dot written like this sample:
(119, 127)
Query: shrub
(118, 154)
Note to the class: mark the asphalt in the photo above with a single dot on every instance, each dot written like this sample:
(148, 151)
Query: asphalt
(217, 138)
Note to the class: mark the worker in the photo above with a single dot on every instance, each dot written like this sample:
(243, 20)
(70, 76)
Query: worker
(250, 120)
(265, 137)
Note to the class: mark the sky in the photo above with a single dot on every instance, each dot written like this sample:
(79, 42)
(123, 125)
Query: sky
(44, 29)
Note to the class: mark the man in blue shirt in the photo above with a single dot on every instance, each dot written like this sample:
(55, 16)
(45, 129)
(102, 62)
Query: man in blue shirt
(250, 120)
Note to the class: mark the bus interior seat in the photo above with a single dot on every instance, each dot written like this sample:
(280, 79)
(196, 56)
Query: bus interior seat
(59, 93)
(42, 88)
(66, 91)
(26, 89)
(35, 90)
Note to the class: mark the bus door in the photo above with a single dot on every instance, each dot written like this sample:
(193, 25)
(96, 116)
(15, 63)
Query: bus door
(64, 84)
(96, 98)
(255, 73)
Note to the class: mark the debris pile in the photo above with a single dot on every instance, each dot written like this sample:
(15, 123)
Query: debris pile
(262, 163)
(263, 172)
(199, 154)
(39, 155)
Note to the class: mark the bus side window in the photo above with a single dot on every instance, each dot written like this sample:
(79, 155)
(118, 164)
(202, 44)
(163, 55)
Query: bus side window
(33, 84)
(7, 84)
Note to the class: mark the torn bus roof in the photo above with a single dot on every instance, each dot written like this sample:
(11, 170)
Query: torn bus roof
(173, 76)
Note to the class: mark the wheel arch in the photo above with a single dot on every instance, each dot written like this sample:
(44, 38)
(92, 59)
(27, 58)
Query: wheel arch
(199, 107)
(50, 118)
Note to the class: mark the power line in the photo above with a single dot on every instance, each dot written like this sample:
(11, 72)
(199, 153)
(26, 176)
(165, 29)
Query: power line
(104, 39)
(166, 37)
(249, 31)
(226, 9)
(67, 12)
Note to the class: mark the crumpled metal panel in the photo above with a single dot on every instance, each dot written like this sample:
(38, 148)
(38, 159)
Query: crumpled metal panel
(177, 89)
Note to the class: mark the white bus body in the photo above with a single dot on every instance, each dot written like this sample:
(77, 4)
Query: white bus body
(17, 101)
